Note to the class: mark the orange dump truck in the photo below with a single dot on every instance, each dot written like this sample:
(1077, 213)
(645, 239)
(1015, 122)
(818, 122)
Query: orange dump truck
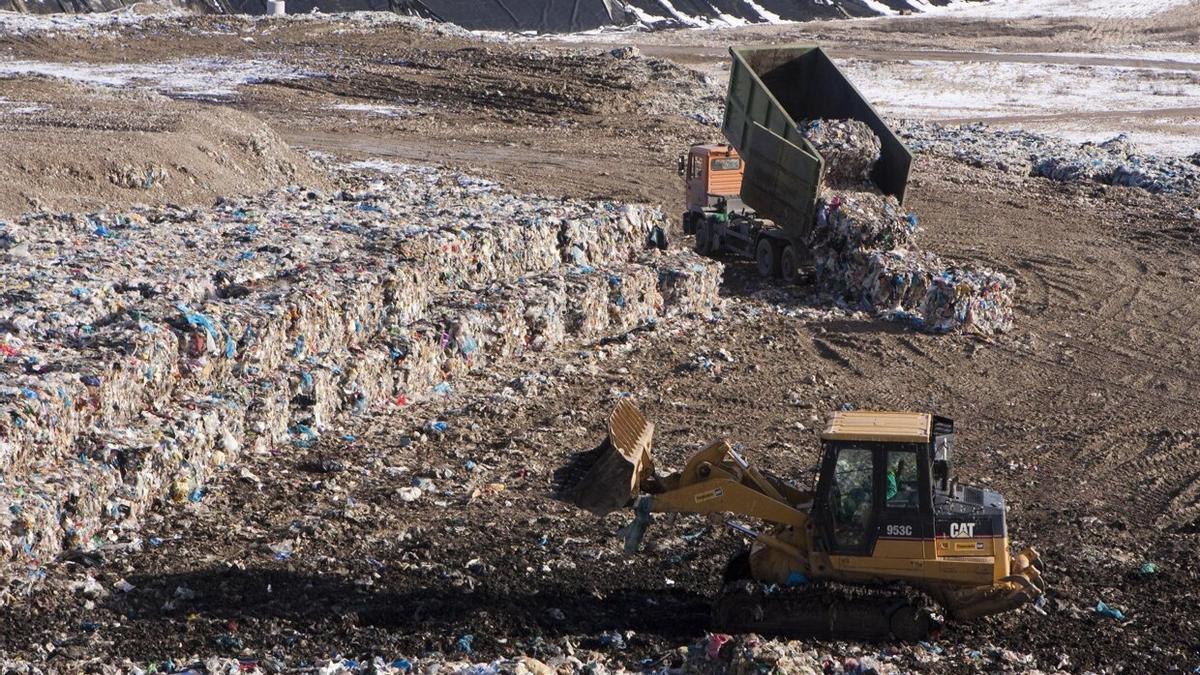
(756, 195)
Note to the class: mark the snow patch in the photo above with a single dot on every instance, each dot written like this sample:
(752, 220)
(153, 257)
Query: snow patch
(1080, 102)
(393, 168)
(766, 14)
(1024, 9)
(18, 23)
(192, 78)
(10, 107)
(678, 15)
(878, 7)
(374, 109)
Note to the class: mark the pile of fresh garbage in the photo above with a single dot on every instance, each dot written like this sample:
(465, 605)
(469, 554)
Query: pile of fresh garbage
(1116, 161)
(865, 253)
(849, 147)
(141, 351)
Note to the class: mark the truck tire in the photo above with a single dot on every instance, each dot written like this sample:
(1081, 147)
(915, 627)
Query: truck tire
(789, 264)
(689, 223)
(766, 255)
(703, 244)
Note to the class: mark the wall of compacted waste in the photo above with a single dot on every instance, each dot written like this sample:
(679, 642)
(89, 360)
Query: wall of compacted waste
(141, 351)
(865, 252)
(1116, 161)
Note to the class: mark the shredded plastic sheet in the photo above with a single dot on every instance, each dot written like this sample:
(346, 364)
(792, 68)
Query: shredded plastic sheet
(141, 351)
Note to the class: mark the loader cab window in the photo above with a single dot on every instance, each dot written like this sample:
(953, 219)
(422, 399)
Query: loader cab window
(903, 480)
(726, 164)
(695, 166)
(852, 496)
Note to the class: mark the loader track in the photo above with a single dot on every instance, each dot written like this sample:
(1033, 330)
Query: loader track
(824, 609)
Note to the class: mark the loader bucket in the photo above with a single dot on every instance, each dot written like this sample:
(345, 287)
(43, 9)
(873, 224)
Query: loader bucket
(608, 478)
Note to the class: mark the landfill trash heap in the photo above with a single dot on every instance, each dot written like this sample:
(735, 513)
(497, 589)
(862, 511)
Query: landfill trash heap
(141, 351)
(865, 253)
(1116, 161)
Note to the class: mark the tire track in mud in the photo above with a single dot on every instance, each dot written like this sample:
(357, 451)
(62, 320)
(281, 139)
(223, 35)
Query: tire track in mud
(1119, 319)
(1128, 345)
(1164, 479)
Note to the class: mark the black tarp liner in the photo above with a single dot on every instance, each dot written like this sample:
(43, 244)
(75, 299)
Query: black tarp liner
(805, 10)
(542, 16)
(700, 9)
(790, 10)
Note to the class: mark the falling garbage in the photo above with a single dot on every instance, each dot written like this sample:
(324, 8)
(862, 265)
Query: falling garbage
(849, 147)
(865, 253)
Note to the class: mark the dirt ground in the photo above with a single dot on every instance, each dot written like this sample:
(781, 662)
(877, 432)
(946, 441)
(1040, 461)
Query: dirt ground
(1083, 416)
(74, 147)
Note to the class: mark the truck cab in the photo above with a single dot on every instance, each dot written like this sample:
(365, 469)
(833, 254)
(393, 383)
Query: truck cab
(716, 214)
(712, 172)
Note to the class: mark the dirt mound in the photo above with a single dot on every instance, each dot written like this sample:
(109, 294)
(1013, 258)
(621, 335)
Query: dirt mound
(72, 147)
(498, 82)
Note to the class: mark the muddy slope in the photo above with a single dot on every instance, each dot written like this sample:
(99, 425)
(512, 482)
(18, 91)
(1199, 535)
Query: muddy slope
(71, 147)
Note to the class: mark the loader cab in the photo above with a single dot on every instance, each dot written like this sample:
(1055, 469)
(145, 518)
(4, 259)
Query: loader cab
(876, 485)
(886, 491)
(711, 172)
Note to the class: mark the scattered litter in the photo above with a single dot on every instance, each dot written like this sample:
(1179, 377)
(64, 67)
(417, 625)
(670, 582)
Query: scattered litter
(465, 643)
(1111, 612)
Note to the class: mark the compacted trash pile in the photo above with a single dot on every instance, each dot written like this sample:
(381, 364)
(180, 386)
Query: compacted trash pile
(140, 351)
(1117, 161)
(865, 252)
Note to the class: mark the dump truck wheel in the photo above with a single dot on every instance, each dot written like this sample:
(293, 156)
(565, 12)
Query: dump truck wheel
(703, 238)
(789, 264)
(767, 256)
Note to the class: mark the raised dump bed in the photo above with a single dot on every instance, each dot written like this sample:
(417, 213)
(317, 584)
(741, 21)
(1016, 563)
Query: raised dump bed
(772, 91)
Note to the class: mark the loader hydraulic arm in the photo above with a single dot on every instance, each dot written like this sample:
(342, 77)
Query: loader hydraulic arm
(718, 480)
(715, 480)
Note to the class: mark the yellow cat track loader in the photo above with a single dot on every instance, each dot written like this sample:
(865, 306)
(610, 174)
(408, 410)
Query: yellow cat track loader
(886, 530)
